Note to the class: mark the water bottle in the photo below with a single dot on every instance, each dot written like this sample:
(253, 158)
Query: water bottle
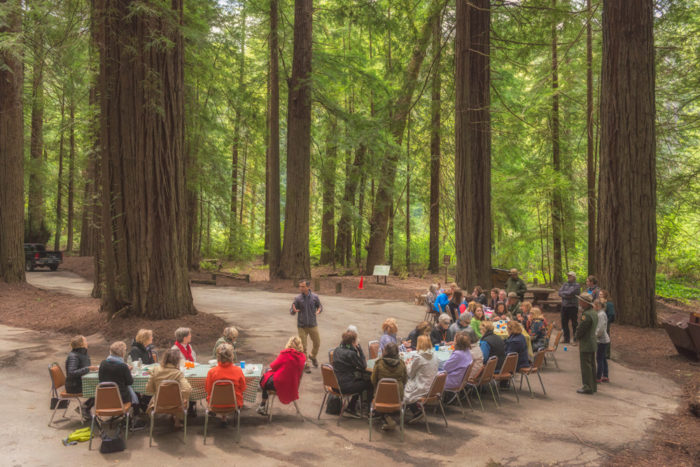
(564, 348)
(129, 360)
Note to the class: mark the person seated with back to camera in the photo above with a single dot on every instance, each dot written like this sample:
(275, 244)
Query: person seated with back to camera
(422, 369)
(516, 343)
(351, 372)
(389, 365)
(169, 370)
(114, 370)
(538, 330)
(226, 370)
(439, 333)
(457, 364)
(284, 374)
(491, 345)
(463, 324)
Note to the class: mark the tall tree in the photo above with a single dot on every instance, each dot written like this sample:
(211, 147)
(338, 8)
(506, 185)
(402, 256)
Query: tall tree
(272, 165)
(473, 143)
(295, 262)
(328, 196)
(143, 164)
(11, 145)
(59, 184)
(557, 208)
(71, 171)
(343, 245)
(627, 188)
(590, 144)
(434, 240)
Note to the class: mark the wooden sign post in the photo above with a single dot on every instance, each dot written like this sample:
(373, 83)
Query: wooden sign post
(446, 262)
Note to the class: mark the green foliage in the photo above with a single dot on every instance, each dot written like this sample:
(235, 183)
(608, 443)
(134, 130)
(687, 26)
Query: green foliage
(677, 290)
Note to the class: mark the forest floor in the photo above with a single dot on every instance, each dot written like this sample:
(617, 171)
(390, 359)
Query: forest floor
(670, 441)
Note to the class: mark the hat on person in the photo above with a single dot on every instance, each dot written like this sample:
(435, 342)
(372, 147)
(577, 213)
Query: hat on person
(512, 295)
(586, 297)
(513, 271)
(571, 273)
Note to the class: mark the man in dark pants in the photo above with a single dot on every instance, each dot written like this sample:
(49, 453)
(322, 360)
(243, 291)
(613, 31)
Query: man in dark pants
(588, 344)
(569, 305)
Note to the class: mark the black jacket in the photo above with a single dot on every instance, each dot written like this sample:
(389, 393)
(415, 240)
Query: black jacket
(438, 335)
(497, 348)
(144, 353)
(117, 372)
(516, 343)
(77, 364)
(349, 365)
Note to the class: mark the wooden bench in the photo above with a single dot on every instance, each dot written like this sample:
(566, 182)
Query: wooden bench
(381, 270)
(217, 263)
(232, 275)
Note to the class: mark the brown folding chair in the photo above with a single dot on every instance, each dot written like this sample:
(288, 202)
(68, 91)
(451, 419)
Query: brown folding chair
(58, 381)
(485, 378)
(332, 387)
(430, 315)
(434, 395)
(551, 349)
(373, 348)
(550, 327)
(460, 389)
(330, 356)
(508, 374)
(387, 399)
(271, 399)
(533, 369)
(222, 401)
(108, 404)
(168, 400)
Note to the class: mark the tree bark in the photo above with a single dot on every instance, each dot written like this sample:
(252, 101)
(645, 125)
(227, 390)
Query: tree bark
(434, 241)
(352, 180)
(328, 196)
(272, 166)
(556, 157)
(590, 148)
(235, 227)
(473, 144)
(295, 262)
(71, 174)
(385, 192)
(627, 186)
(408, 195)
(11, 151)
(59, 181)
(143, 165)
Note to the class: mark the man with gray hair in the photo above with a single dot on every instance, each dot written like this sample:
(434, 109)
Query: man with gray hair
(114, 370)
(439, 333)
(307, 306)
(463, 324)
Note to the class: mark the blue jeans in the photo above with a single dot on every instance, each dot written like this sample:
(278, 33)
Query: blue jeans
(601, 361)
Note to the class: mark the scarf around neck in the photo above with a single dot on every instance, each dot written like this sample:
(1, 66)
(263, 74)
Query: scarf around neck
(186, 351)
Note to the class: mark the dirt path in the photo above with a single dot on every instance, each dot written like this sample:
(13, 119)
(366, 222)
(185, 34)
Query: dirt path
(561, 428)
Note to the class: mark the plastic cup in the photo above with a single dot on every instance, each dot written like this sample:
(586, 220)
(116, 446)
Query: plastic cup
(437, 347)
(242, 364)
(564, 348)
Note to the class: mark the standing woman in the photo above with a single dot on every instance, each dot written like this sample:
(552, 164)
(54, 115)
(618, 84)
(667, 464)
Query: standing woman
(603, 342)
(453, 304)
(604, 297)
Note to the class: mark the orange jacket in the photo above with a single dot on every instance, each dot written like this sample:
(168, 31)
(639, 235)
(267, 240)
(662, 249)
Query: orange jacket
(229, 372)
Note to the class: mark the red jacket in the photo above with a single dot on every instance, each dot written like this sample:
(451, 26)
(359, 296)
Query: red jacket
(230, 372)
(286, 371)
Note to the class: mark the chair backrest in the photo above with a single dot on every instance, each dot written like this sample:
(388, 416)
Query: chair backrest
(330, 356)
(465, 379)
(168, 396)
(539, 359)
(58, 379)
(387, 396)
(550, 326)
(437, 387)
(509, 365)
(554, 347)
(108, 398)
(223, 395)
(489, 370)
(330, 381)
(373, 347)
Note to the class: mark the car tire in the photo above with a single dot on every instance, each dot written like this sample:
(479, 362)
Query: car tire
(53, 267)
(28, 265)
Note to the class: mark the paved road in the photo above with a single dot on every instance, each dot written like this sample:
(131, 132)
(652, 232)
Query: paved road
(560, 428)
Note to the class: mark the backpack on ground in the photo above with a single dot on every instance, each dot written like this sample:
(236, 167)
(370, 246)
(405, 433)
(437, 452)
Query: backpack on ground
(333, 405)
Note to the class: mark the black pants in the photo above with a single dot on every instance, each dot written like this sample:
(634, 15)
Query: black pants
(269, 386)
(601, 361)
(569, 313)
(357, 387)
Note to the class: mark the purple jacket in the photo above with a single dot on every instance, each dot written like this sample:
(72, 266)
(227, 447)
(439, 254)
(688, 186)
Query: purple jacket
(455, 366)
(385, 339)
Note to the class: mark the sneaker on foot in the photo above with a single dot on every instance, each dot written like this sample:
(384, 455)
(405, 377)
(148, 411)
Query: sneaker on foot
(605, 379)
(351, 413)
(419, 417)
(599, 380)
(262, 410)
(314, 361)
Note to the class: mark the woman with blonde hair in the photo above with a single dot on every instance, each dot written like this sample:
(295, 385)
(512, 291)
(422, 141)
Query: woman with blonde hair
(538, 329)
(142, 348)
(516, 343)
(225, 369)
(422, 369)
(389, 328)
(284, 374)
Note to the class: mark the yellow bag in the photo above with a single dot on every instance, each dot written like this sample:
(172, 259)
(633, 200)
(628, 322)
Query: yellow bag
(80, 435)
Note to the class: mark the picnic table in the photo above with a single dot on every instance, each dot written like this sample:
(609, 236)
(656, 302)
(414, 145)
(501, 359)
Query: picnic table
(443, 354)
(500, 331)
(540, 294)
(196, 376)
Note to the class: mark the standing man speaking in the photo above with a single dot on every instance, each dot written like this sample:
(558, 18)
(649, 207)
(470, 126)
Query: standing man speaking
(306, 306)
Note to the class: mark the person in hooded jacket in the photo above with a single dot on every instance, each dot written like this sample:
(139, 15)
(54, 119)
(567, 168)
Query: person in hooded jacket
(141, 348)
(491, 345)
(390, 366)
(421, 371)
(351, 371)
(516, 343)
(284, 374)
(169, 371)
(78, 365)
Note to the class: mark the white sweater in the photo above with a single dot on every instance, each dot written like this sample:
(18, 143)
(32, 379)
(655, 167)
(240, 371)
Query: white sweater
(601, 331)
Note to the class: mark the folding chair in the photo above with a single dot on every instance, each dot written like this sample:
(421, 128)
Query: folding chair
(534, 369)
(550, 327)
(168, 400)
(553, 348)
(271, 399)
(486, 377)
(430, 315)
(58, 381)
(434, 395)
(460, 389)
(332, 387)
(222, 401)
(508, 374)
(108, 405)
(373, 348)
(387, 399)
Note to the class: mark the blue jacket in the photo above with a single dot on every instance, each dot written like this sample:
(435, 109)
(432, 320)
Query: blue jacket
(516, 343)
(441, 302)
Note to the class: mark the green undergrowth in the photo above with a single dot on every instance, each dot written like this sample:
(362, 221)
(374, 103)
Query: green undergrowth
(676, 289)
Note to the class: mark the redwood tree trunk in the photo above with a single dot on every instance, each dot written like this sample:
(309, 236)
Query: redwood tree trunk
(143, 164)
(590, 148)
(473, 144)
(59, 182)
(556, 157)
(343, 244)
(11, 152)
(272, 166)
(627, 188)
(328, 197)
(295, 262)
(434, 241)
(71, 175)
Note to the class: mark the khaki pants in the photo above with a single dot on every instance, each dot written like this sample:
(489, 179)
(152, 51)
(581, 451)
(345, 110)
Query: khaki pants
(315, 340)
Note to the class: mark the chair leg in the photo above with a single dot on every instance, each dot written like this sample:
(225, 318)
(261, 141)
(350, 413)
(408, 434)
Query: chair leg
(527, 378)
(401, 417)
(298, 411)
(541, 383)
(238, 425)
(478, 395)
(92, 429)
(323, 402)
(466, 394)
(442, 409)
(184, 427)
(512, 382)
(461, 406)
(342, 409)
(556, 363)
(206, 424)
(493, 394)
(126, 432)
(53, 414)
(425, 417)
(498, 391)
(370, 424)
(150, 435)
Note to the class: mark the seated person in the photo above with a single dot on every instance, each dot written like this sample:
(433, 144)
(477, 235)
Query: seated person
(492, 345)
(453, 305)
(169, 370)
(479, 296)
(229, 337)
(523, 316)
(516, 343)
(476, 321)
(389, 365)
(389, 328)
(77, 365)
(500, 312)
(513, 304)
(502, 296)
(457, 364)
(439, 333)
(114, 370)
(441, 301)
(358, 348)
(431, 296)
(478, 359)
(422, 329)
(422, 369)
(284, 374)
(351, 371)
(225, 369)
(493, 299)
(142, 347)
(463, 324)
(538, 330)
(183, 337)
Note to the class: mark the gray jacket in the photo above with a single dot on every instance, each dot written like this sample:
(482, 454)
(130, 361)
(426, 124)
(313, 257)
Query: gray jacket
(307, 306)
(568, 293)
(455, 328)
